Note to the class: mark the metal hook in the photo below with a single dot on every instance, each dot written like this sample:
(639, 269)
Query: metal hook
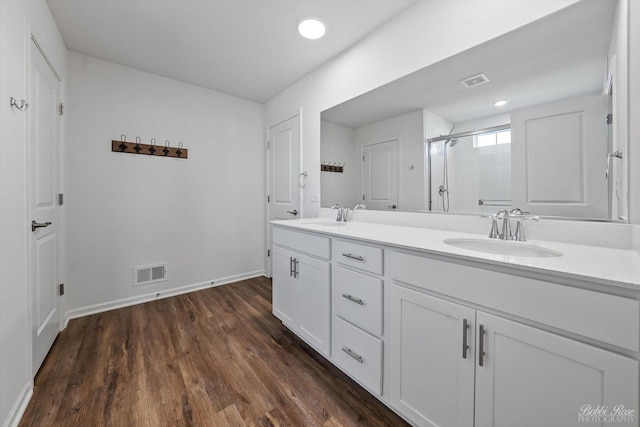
(166, 150)
(24, 105)
(123, 142)
(137, 147)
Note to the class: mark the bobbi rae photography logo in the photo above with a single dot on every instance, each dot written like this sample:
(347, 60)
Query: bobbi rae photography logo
(605, 414)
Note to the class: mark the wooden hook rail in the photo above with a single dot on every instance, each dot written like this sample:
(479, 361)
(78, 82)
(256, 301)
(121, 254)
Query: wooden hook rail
(149, 149)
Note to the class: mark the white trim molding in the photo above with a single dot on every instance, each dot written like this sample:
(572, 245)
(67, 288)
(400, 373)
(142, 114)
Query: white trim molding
(17, 411)
(127, 302)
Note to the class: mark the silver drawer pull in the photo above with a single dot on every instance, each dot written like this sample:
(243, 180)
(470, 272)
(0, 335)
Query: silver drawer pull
(350, 298)
(356, 257)
(352, 354)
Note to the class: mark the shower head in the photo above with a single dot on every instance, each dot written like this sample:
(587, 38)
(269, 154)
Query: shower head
(451, 142)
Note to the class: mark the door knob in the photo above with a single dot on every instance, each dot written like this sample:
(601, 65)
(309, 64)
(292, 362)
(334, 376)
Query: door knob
(293, 212)
(392, 207)
(35, 225)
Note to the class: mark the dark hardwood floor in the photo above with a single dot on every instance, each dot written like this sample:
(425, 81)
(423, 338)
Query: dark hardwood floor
(216, 357)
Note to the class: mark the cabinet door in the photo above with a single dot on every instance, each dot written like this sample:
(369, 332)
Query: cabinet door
(285, 294)
(431, 381)
(533, 378)
(314, 290)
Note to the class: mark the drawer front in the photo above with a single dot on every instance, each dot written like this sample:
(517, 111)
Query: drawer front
(608, 318)
(358, 299)
(364, 257)
(303, 242)
(358, 353)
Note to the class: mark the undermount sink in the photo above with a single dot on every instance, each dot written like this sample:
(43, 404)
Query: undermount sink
(500, 247)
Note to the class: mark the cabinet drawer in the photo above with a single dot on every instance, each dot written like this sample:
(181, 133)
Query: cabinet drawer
(303, 242)
(608, 318)
(358, 353)
(359, 256)
(358, 299)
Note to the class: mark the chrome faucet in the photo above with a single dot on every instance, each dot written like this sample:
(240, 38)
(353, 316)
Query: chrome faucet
(505, 216)
(340, 214)
(506, 225)
(344, 214)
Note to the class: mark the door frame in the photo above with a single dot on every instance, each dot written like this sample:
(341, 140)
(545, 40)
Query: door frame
(33, 40)
(268, 264)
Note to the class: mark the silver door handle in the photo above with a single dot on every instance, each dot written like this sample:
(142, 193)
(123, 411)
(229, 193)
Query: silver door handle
(465, 346)
(356, 257)
(353, 354)
(293, 212)
(35, 225)
(350, 298)
(392, 207)
(481, 346)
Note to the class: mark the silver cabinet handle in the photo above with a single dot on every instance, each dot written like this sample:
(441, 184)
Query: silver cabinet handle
(392, 206)
(465, 346)
(356, 257)
(353, 354)
(35, 225)
(290, 266)
(293, 212)
(481, 346)
(350, 298)
(295, 268)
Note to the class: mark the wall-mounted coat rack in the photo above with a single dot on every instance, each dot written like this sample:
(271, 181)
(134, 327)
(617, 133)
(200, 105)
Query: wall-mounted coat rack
(332, 167)
(152, 149)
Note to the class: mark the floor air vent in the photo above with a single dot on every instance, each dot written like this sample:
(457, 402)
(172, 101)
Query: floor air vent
(148, 274)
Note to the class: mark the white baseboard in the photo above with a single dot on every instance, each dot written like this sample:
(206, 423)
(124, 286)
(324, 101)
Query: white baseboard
(20, 405)
(126, 302)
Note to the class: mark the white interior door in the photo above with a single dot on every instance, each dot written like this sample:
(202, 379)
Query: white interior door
(284, 168)
(43, 170)
(558, 154)
(380, 175)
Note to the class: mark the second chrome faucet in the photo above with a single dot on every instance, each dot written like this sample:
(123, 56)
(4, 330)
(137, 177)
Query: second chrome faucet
(505, 229)
(344, 214)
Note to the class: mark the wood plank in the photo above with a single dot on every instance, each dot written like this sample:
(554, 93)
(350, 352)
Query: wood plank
(216, 357)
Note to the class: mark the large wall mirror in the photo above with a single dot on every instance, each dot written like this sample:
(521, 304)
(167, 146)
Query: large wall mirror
(440, 139)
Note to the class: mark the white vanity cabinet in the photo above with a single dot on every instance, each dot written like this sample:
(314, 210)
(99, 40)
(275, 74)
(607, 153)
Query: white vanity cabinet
(449, 341)
(357, 289)
(301, 286)
(431, 377)
(447, 358)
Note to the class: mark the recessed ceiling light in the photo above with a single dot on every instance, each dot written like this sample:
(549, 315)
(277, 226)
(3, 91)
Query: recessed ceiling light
(500, 103)
(311, 28)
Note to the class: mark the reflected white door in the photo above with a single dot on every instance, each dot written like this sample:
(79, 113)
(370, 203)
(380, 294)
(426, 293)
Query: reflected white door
(558, 154)
(43, 170)
(284, 169)
(380, 175)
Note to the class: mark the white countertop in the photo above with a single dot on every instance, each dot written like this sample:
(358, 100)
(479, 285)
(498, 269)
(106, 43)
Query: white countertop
(599, 265)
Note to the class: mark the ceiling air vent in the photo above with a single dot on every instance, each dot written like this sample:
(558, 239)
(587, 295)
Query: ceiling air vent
(147, 274)
(474, 80)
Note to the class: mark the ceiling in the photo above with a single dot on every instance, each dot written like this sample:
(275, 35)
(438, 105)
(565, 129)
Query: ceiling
(560, 56)
(246, 48)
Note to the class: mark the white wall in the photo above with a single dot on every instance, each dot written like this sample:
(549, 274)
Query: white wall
(204, 215)
(408, 129)
(338, 145)
(18, 20)
(406, 44)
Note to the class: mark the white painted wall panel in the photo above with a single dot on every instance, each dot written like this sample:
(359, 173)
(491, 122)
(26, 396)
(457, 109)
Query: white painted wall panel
(203, 216)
